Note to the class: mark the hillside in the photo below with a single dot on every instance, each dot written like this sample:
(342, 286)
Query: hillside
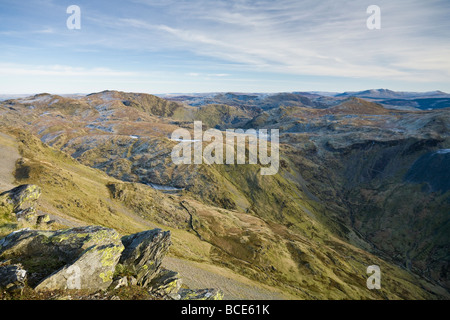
(337, 205)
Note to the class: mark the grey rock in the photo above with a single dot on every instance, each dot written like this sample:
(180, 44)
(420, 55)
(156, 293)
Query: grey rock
(28, 215)
(22, 197)
(166, 282)
(78, 258)
(12, 277)
(88, 258)
(144, 252)
(174, 296)
(118, 283)
(200, 294)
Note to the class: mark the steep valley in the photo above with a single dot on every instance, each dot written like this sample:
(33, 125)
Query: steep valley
(358, 185)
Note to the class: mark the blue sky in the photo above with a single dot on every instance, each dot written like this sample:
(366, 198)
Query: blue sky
(180, 46)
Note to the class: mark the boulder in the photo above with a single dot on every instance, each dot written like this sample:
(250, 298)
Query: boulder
(12, 277)
(77, 258)
(143, 254)
(21, 198)
(165, 283)
(200, 294)
(20, 202)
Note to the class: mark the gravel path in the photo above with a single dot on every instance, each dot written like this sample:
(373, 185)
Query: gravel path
(196, 276)
(8, 157)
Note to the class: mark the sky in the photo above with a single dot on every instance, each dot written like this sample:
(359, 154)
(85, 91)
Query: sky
(186, 46)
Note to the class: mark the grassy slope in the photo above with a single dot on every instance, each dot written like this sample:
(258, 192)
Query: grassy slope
(262, 250)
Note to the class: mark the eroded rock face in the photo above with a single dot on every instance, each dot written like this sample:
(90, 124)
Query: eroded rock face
(144, 252)
(78, 258)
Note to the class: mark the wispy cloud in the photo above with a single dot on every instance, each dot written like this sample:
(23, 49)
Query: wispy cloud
(7, 69)
(15, 33)
(316, 38)
(218, 75)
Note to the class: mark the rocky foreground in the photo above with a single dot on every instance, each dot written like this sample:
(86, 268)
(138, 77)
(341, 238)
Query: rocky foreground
(88, 259)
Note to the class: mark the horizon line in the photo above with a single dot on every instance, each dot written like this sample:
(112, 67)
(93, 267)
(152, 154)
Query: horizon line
(217, 92)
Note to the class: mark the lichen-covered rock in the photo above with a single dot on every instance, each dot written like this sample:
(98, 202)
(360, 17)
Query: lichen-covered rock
(93, 270)
(88, 257)
(12, 277)
(200, 294)
(20, 202)
(143, 254)
(166, 282)
(43, 219)
(77, 258)
(21, 198)
(29, 215)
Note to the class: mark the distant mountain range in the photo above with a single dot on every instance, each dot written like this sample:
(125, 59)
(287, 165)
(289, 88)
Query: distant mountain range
(417, 100)
(316, 99)
(389, 94)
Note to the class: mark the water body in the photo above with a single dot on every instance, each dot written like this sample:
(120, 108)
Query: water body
(164, 187)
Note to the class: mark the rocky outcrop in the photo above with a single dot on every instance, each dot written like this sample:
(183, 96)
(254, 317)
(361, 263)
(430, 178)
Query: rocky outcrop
(143, 254)
(21, 198)
(20, 204)
(91, 258)
(166, 283)
(78, 258)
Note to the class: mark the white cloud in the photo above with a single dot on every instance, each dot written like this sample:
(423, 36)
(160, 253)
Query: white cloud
(219, 75)
(8, 69)
(47, 30)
